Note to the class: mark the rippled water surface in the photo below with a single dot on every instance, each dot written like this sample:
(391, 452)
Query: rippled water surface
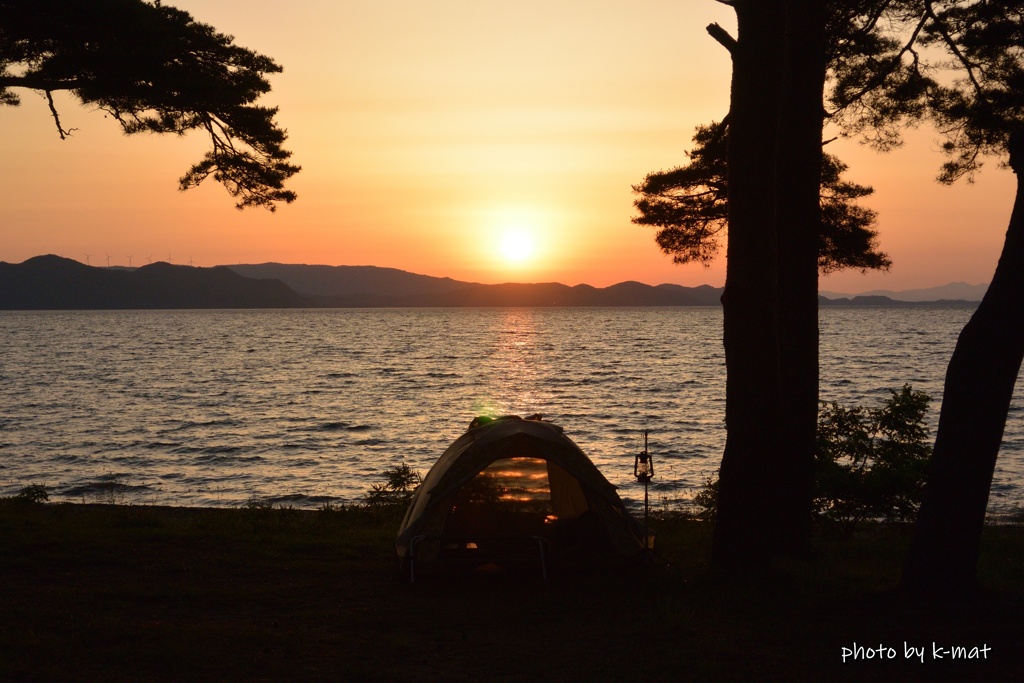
(304, 407)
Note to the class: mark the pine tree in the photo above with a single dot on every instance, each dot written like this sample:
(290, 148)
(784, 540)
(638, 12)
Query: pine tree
(153, 69)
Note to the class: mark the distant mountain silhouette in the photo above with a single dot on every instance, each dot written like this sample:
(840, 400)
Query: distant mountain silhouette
(370, 286)
(877, 300)
(350, 281)
(954, 291)
(52, 282)
(554, 294)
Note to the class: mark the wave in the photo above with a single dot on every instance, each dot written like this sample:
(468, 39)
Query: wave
(94, 488)
(154, 445)
(186, 425)
(298, 500)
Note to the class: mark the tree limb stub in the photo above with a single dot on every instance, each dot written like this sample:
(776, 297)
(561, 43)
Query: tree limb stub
(1016, 148)
(722, 36)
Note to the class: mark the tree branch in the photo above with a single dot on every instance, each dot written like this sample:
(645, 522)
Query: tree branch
(56, 117)
(153, 69)
(873, 18)
(894, 64)
(955, 49)
(33, 82)
(722, 36)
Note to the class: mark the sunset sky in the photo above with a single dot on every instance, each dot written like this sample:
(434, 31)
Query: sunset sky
(488, 142)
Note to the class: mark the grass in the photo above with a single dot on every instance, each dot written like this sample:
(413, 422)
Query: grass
(139, 593)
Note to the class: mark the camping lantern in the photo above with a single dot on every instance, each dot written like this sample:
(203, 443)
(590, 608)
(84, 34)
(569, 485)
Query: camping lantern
(643, 465)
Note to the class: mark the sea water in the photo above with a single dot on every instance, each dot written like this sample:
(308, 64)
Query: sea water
(304, 407)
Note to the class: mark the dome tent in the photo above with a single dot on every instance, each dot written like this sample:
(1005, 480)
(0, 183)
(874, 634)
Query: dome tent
(511, 484)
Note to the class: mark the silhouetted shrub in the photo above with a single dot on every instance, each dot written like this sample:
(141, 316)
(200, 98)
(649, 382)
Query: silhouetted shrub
(706, 500)
(36, 493)
(870, 462)
(400, 482)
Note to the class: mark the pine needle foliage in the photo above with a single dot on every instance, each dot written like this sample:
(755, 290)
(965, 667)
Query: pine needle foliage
(153, 69)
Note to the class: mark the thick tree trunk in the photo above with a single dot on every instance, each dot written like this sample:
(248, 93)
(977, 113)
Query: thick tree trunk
(744, 528)
(770, 300)
(799, 224)
(980, 378)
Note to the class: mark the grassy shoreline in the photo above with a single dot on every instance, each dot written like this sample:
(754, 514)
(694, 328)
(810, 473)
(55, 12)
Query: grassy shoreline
(141, 593)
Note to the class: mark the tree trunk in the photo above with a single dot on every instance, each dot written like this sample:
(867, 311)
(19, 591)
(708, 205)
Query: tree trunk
(943, 556)
(744, 527)
(770, 302)
(798, 222)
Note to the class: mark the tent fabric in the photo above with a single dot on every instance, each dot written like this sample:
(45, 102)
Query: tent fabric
(575, 489)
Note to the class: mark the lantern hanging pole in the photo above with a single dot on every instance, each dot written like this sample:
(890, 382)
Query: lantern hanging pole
(647, 481)
(643, 470)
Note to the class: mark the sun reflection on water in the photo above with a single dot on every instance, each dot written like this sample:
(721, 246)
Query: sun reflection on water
(518, 344)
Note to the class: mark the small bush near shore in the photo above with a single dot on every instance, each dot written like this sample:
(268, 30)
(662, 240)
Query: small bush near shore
(35, 493)
(399, 485)
(870, 463)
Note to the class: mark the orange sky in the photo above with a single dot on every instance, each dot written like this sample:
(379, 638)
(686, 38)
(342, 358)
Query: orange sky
(427, 131)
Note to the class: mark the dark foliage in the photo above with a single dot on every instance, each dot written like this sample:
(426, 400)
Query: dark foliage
(688, 205)
(978, 112)
(33, 494)
(153, 69)
(956, 63)
(870, 463)
(400, 482)
(891, 64)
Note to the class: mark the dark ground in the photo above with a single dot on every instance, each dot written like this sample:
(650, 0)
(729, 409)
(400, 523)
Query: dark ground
(137, 593)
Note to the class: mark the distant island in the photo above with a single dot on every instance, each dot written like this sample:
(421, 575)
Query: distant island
(56, 283)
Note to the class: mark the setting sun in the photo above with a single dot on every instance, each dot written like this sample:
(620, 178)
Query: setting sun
(517, 246)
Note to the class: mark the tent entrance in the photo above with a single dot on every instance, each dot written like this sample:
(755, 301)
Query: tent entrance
(513, 504)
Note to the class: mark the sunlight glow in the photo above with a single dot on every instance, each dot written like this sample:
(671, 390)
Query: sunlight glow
(517, 246)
